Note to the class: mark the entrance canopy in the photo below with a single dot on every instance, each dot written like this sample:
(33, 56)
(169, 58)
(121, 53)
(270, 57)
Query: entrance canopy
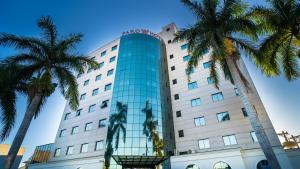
(131, 161)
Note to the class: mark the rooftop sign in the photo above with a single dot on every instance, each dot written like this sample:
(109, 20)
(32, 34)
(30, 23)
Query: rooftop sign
(141, 31)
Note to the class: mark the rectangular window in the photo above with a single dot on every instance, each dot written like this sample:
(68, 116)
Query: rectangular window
(237, 91)
(104, 104)
(75, 130)
(196, 102)
(223, 116)
(69, 150)
(86, 83)
(185, 46)
(191, 71)
(67, 116)
(178, 113)
(192, 85)
(84, 148)
(95, 92)
(114, 47)
(112, 59)
(102, 123)
(57, 152)
(176, 96)
(229, 140)
(99, 145)
(100, 65)
(207, 65)
(244, 112)
(63, 133)
(180, 133)
(83, 96)
(88, 126)
(79, 75)
(92, 108)
(78, 112)
(186, 58)
(98, 77)
(203, 143)
(217, 97)
(253, 136)
(171, 56)
(89, 70)
(110, 72)
(172, 68)
(174, 81)
(199, 121)
(210, 80)
(107, 87)
(103, 53)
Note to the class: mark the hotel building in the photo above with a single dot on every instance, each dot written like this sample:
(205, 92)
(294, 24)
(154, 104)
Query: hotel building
(202, 127)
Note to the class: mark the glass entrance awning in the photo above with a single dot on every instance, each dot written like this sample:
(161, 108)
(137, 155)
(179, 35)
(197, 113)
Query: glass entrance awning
(131, 161)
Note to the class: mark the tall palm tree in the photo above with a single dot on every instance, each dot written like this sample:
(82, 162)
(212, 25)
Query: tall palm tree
(219, 27)
(280, 21)
(51, 60)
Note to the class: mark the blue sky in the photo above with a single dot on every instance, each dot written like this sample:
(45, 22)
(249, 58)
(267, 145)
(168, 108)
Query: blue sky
(104, 20)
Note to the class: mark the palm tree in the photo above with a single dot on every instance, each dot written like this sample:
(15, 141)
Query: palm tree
(219, 27)
(280, 21)
(117, 124)
(51, 61)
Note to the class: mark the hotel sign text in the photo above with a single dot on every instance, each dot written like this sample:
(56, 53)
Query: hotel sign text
(141, 31)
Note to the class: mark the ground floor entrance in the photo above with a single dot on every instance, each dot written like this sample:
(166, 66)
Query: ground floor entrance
(138, 162)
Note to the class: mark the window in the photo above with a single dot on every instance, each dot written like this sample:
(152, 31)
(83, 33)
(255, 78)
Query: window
(99, 145)
(95, 92)
(210, 80)
(100, 65)
(176, 96)
(221, 165)
(203, 144)
(185, 46)
(199, 121)
(178, 113)
(78, 112)
(103, 53)
(244, 112)
(217, 97)
(237, 91)
(114, 47)
(192, 85)
(253, 136)
(172, 68)
(110, 72)
(84, 148)
(98, 77)
(89, 70)
(57, 152)
(102, 123)
(188, 72)
(263, 164)
(86, 83)
(223, 116)
(107, 87)
(75, 130)
(88, 126)
(92, 108)
(229, 140)
(112, 59)
(168, 29)
(69, 150)
(79, 75)
(192, 166)
(67, 116)
(169, 41)
(207, 64)
(171, 56)
(196, 102)
(63, 133)
(180, 133)
(83, 96)
(104, 104)
(186, 58)
(174, 81)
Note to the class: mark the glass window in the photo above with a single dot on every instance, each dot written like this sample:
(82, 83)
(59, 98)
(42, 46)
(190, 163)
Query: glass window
(114, 47)
(174, 81)
(107, 87)
(79, 75)
(103, 53)
(180, 133)
(263, 164)
(196, 102)
(63, 133)
(221, 165)
(217, 97)
(95, 92)
(75, 130)
(100, 65)
(192, 71)
(86, 82)
(210, 80)
(83, 96)
(98, 77)
(244, 112)
(169, 41)
(88, 126)
(110, 72)
(186, 58)
(172, 68)
(207, 64)
(229, 140)
(203, 143)
(92, 108)
(112, 59)
(78, 112)
(199, 121)
(104, 104)
(223, 116)
(185, 46)
(99, 145)
(192, 85)
(171, 56)
(178, 113)
(236, 91)
(89, 70)
(57, 152)
(84, 148)
(69, 150)
(67, 116)
(102, 123)
(176, 96)
(253, 136)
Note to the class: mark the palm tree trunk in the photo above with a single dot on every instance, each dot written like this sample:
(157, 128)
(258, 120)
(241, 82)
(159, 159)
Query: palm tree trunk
(253, 117)
(13, 151)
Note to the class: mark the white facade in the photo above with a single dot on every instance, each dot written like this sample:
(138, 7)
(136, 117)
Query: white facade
(243, 153)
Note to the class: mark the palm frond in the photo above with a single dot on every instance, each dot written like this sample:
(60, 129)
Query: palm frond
(49, 29)
(8, 113)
